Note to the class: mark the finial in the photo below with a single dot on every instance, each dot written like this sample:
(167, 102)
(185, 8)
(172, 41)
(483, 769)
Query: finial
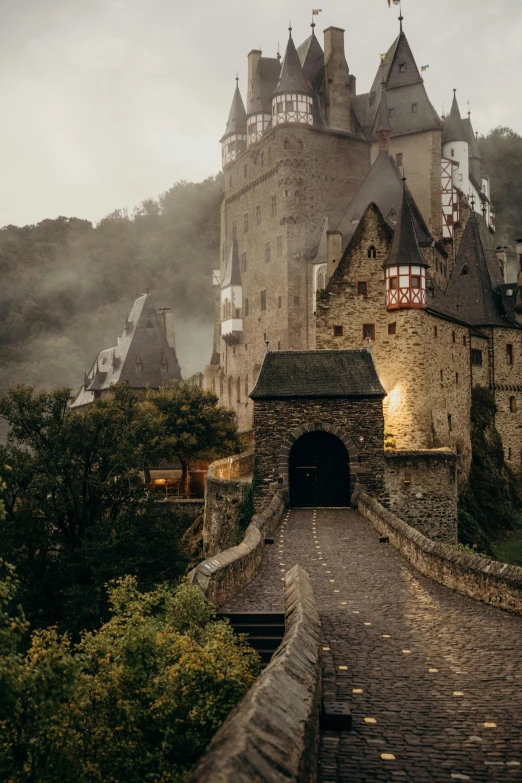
(237, 78)
(473, 201)
(455, 92)
(290, 27)
(267, 343)
(401, 17)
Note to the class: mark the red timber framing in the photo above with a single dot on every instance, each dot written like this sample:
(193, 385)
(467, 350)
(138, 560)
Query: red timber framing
(450, 199)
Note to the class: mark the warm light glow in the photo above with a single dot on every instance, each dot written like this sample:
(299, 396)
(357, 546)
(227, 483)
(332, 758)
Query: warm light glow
(393, 399)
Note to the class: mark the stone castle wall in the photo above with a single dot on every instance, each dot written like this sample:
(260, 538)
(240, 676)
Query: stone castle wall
(228, 481)
(275, 421)
(507, 389)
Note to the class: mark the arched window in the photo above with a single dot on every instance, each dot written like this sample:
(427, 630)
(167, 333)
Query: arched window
(321, 278)
(372, 252)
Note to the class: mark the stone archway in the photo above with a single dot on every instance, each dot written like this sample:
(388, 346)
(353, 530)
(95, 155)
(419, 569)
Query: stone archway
(283, 465)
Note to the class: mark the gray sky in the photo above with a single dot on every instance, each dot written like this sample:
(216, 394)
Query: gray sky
(107, 102)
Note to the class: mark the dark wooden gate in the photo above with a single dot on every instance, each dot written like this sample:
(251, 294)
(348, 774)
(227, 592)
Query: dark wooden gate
(319, 471)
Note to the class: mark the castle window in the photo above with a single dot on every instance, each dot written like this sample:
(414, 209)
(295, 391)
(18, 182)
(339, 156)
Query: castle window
(230, 390)
(454, 337)
(279, 345)
(238, 389)
(476, 357)
(246, 310)
(362, 288)
(245, 170)
(450, 423)
(456, 379)
(234, 229)
(258, 215)
(287, 144)
(509, 454)
(338, 331)
(263, 300)
(296, 301)
(464, 340)
(368, 331)
(279, 302)
(441, 377)
(246, 386)
(435, 331)
(267, 252)
(465, 270)
(513, 404)
(398, 159)
(287, 193)
(414, 107)
(452, 153)
(402, 67)
(509, 353)
(391, 113)
(274, 206)
(372, 252)
(243, 262)
(392, 328)
(300, 144)
(279, 247)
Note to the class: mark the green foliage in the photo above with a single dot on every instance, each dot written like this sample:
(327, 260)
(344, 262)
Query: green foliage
(389, 439)
(136, 701)
(76, 511)
(501, 152)
(490, 503)
(509, 549)
(66, 284)
(245, 513)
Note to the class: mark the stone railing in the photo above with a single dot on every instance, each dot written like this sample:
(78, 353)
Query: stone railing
(227, 484)
(272, 736)
(485, 580)
(223, 575)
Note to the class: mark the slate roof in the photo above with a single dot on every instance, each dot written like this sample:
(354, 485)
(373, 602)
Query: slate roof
(383, 187)
(295, 374)
(292, 78)
(403, 89)
(142, 344)
(454, 127)
(237, 122)
(381, 123)
(232, 274)
(311, 57)
(475, 292)
(471, 138)
(265, 82)
(405, 247)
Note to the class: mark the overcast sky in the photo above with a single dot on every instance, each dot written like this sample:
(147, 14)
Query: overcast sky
(104, 103)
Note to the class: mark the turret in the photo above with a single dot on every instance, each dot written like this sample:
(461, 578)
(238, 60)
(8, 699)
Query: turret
(455, 145)
(337, 81)
(232, 299)
(234, 140)
(292, 102)
(264, 83)
(405, 266)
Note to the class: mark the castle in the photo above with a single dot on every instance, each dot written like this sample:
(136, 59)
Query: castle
(356, 221)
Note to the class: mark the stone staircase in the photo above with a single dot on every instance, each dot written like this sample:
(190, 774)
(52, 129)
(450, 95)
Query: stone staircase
(265, 630)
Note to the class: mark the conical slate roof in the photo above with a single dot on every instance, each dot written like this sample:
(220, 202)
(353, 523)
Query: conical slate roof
(265, 82)
(405, 246)
(471, 138)
(232, 274)
(237, 122)
(454, 127)
(381, 123)
(143, 356)
(311, 57)
(292, 78)
(382, 187)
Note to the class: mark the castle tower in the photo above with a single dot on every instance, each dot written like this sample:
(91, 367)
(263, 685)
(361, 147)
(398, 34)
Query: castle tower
(405, 266)
(292, 102)
(455, 146)
(234, 140)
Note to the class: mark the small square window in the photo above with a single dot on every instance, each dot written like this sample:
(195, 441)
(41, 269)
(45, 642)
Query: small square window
(509, 354)
(286, 144)
(414, 107)
(279, 302)
(368, 331)
(454, 337)
(362, 288)
(464, 340)
(476, 357)
(456, 379)
(513, 404)
(392, 328)
(450, 422)
(338, 331)
(246, 310)
(435, 331)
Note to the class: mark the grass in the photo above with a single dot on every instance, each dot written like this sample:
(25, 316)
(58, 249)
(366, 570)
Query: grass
(509, 550)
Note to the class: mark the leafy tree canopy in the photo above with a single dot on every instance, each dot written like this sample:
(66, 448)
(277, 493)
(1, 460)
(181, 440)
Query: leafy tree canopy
(501, 152)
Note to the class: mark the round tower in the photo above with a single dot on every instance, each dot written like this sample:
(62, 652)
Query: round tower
(234, 140)
(405, 266)
(455, 146)
(292, 103)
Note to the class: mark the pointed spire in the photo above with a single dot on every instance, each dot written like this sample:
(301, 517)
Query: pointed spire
(405, 249)
(237, 122)
(311, 57)
(292, 78)
(454, 129)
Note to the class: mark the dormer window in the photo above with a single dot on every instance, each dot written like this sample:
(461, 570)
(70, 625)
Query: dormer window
(402, 67)
(372, 252)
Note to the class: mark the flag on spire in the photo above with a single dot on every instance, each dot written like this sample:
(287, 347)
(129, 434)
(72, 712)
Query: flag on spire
(316, 11)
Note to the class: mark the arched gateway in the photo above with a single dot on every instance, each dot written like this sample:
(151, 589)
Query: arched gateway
(318, 427)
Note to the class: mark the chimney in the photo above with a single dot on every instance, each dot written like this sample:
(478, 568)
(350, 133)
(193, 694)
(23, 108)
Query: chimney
(167, 323)
(353, 86)
(253, 59)
(333, 250)
(502, 261)
(337, 81)
(518, 300)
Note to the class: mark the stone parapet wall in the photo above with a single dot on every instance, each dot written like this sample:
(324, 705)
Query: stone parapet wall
(421, 488)
(485, 580)
(225, 491)
(272, 735)
(222, 576)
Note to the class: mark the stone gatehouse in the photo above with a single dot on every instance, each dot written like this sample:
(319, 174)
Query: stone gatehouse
(318, 426)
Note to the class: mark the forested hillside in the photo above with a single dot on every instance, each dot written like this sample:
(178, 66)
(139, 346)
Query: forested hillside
(65, 285)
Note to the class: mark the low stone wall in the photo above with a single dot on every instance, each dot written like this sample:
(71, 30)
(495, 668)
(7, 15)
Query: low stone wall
(272, 736)
(485, 580)
(421, 488)
(223, 575)
(227, 484)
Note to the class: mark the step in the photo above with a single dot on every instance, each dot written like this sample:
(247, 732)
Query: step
(266, 629)
(265, 642)
(253, 617)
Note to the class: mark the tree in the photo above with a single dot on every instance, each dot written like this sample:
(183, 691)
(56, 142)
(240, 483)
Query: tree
(195, 428)
(137, 700)
(76, 510)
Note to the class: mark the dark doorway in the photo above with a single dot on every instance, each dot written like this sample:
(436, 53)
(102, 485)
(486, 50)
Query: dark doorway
(319, 471)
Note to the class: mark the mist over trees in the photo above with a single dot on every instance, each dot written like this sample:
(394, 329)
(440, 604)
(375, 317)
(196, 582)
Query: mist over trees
(501, 152)
(65, 285)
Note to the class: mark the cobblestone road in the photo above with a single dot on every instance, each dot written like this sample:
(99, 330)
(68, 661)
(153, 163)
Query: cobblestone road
(433, 679)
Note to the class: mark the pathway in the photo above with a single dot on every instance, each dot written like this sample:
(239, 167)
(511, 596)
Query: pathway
(434, 679)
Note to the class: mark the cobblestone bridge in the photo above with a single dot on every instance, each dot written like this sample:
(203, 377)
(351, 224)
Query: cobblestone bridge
(433, 679)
